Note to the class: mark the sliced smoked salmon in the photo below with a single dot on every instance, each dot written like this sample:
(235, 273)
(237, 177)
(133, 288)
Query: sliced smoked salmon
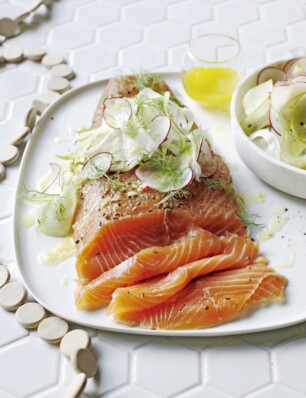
(111, 225)
(196, 244)
(214, 299)
(239, 252)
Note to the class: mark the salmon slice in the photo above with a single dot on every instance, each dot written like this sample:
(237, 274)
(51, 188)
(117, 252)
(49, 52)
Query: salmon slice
(238, 253)
(214, 299)
(196, 244)
(111, 225)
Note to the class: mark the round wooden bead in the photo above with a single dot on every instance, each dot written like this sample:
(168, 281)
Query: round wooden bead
(62, 70)
(8, 27)
(30, 118)
(39, 106)
(8, 154)
(58, 84)
(77, 386)
(51, 60)
(12, 54)
(2, 171)
(83, 361)
(4, 275)
(30, 315)
(48, 97)
(52, 329)
(74, 340)
(34, 53)
(12, 296)
(18, 135)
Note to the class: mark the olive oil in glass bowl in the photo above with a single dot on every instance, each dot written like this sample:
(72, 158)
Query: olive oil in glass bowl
(211, 70)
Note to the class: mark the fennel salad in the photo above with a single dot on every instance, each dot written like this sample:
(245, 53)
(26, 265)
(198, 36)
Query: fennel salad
(275, 112)
(149, 133)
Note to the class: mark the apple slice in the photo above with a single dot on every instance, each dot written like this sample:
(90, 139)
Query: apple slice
(282, 95)
(271, 72)
(97, 165)
(117, 112)
(277, 121)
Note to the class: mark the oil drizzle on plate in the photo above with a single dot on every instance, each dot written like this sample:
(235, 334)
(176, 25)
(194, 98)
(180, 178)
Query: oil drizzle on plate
(276, 224)
(57, 254)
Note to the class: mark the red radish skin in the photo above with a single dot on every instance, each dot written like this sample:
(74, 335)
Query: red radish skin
(272, 116)
(56, 169)
(271, 72)
(99, 154)
(167, 130)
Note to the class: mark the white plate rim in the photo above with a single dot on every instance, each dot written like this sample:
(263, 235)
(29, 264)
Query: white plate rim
(118, 328)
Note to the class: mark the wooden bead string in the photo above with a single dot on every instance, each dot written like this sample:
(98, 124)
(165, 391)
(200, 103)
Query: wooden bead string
(74, 344)
(61, 73)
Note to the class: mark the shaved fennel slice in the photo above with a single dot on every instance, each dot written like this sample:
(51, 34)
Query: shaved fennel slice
(258, 119)
(117, 112)
(256, 96)
(267, 141)
(282, 95)
(97, 165)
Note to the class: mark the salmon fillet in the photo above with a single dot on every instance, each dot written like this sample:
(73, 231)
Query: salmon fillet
(238, 253)
(196, 244)
(215, 299)
(112, 225)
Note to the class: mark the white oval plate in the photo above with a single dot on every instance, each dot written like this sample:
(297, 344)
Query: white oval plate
(75, 109)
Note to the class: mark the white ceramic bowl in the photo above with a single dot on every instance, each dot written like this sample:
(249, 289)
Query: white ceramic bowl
(274, 172)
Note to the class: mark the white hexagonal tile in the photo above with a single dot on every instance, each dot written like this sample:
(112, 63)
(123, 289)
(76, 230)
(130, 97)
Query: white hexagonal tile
(175, 55)
(252, 57)
(283, 11)
(34, 361)
(7, 253)
(11, 10)
(72, 35)
(273, 337)
(167, 34)
(113, 365)
(7, 195)
(201, 392)
(131, 392)
(281, 51)
(296, 33)
(97, 14)
(276, 391)
(176, 368)
(190, 12)
(201, 342)
(214, 27)
(129, 341)
(144, 56)
(94, 59)
(290, 363)
(228, 12)
(144, 13)
(263, 34)
(120, 35)
(3, 107)
(236, 364)
(10, 330)
(15, 83)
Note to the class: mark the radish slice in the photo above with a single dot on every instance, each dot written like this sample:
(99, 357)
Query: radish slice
(159, 128)
(97, 165)
(207, 162)
(156, 180)
(277, 121)
(271, 72)
(282, 95)
(56, 172)
(289, 63)
(299, 79)
(117, 112)
(297, 67)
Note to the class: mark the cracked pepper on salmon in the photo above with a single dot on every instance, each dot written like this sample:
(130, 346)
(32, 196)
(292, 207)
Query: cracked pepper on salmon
(126, 236)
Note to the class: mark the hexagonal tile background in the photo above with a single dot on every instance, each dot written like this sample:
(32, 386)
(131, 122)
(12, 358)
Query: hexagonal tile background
(98, 38)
